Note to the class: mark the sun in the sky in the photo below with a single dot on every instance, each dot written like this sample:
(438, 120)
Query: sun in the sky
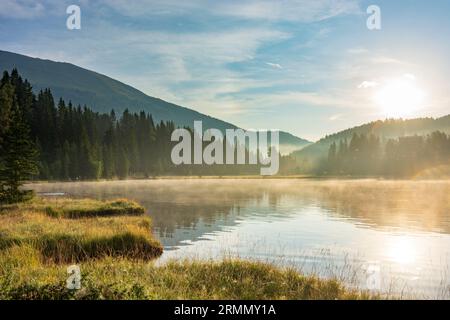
(400, 97)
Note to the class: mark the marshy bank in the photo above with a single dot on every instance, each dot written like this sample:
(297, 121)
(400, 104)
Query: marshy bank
(71, 231)
(113, 245)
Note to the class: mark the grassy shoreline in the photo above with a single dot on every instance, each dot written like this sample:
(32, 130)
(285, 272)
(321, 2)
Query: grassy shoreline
(113, 245)
(71, 231)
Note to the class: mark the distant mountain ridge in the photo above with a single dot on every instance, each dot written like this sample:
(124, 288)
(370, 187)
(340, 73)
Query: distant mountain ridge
(101, 94)
(385, 129)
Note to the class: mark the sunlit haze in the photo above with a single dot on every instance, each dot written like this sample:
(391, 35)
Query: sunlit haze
(306, 67)
(400, 98)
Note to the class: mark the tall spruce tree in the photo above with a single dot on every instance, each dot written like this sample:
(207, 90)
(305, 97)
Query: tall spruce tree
(18, 157)
(6, 103)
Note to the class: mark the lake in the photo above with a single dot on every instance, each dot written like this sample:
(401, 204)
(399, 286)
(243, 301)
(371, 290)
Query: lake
(388, 236)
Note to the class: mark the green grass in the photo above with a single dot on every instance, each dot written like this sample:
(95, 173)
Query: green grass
(61, 239)
(115, 254)
(79, 208)
(22, 276)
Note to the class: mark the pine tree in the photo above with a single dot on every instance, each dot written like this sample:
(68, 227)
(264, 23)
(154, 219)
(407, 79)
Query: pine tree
(109, 147)
(6, 103)
(66, 163)
(18, 158)
(123, 164)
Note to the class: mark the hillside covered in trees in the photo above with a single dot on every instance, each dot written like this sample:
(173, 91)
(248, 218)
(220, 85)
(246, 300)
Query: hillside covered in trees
(311, 159)
(402, 157)
(76, 143)
(102, 94)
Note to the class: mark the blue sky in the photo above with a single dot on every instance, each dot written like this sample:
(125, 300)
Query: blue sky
(307, 67)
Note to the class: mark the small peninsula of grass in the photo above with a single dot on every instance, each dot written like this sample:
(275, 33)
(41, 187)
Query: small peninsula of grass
(116, 228)
(78, 208)
(112, 244)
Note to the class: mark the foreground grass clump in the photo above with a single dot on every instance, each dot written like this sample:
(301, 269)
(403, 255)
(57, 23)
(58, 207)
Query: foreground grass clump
(22, 276)
(79, 208)
(61, 239)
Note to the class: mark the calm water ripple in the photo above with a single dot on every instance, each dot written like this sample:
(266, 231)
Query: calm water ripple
(392, 236)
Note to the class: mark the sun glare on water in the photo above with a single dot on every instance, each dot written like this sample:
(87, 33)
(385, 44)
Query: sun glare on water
(400, 97)
(402, 251)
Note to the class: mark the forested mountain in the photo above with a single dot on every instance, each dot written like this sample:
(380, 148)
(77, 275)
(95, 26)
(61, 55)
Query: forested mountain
(102, 94)
(76, 143)
(405, 156)
(311, 157)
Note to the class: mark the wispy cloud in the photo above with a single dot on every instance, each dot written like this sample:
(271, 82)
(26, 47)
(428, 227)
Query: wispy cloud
(335, 117)
(274, 65)
(21, 9)
(357, 51)
(239, 60)
(367, 84)
(272, 10)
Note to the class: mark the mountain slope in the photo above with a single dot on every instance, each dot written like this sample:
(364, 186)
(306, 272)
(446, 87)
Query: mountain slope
(385, 129)
(102, 94)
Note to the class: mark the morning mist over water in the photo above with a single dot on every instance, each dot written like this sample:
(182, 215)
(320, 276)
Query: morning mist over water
(332, 228)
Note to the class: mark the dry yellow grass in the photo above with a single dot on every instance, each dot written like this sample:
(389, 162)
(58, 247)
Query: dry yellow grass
(22, 276)
(59, 238)
(115, 253)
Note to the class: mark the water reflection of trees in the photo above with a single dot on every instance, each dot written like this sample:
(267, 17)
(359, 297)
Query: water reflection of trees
(201, 206)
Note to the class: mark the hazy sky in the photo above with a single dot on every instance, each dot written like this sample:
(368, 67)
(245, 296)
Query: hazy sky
(308, 67)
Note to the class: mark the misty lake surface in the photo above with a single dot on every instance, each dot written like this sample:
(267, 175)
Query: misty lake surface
(392, 236)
